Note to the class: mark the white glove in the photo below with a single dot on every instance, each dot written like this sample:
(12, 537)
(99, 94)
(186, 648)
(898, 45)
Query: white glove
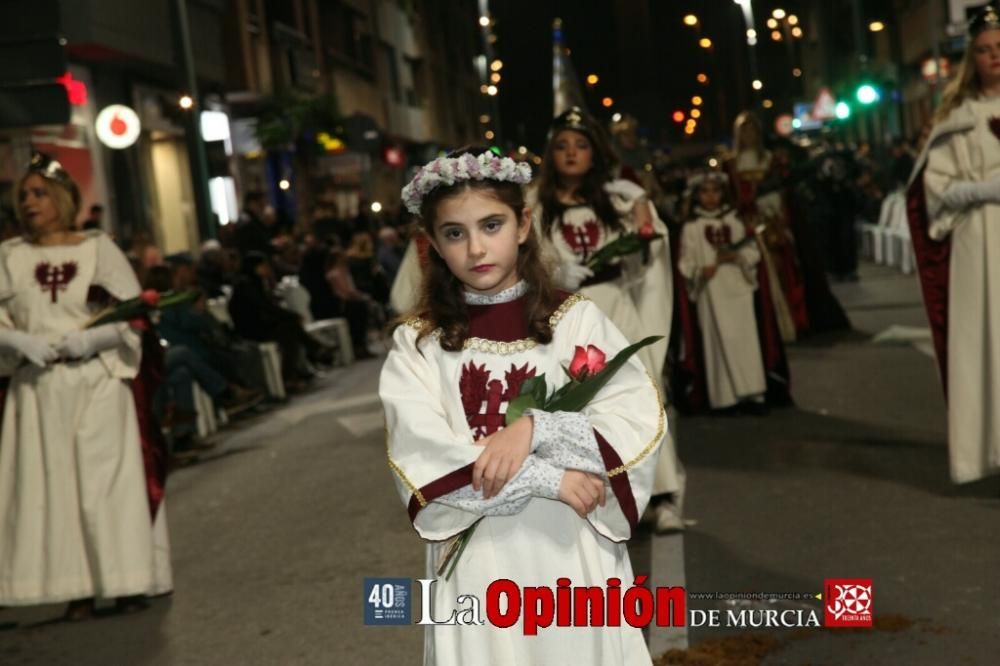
(86, 343)
(32, 347)
(571, 275)
(962, 194)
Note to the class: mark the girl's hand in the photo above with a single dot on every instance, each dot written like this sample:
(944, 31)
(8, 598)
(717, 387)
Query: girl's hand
(582, 491)
(505, 452)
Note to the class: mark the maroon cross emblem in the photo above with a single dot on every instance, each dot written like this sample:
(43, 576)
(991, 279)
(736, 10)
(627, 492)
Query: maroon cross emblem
(477, 387)
(55, 278)
(582, 238)
(719, 236)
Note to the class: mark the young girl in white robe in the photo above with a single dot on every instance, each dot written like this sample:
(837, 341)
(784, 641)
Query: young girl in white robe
(552, 495)
(74, 518)
(720, 277)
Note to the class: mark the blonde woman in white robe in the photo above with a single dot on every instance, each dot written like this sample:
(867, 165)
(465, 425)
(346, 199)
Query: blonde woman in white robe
(954, 198)
(74, 518)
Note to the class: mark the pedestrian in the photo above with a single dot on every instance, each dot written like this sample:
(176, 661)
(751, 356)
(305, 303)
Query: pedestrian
(557, 493)
(720, 271)
(75, 522)
(578, 209)
(954, 213)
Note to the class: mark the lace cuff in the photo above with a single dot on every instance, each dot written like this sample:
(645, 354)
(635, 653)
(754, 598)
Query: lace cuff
(566, 440)
(536, 478)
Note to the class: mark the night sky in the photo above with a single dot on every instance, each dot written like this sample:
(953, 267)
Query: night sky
(647, 60)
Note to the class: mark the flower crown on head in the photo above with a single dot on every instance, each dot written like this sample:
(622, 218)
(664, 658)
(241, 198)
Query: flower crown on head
(450, 170)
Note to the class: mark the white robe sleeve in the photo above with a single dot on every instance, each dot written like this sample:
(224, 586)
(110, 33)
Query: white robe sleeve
(9, 360)
(114, 273)
(406, 286)
(748, 255)
(689, 263)
(628, 420)
(943, 170)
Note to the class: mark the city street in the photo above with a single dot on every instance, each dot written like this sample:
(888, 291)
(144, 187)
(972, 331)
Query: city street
(273, 534)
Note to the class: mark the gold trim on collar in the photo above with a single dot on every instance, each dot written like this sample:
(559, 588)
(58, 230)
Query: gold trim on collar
(514, 346)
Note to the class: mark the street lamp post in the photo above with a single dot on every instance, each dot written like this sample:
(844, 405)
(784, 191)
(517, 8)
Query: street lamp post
(747, 7)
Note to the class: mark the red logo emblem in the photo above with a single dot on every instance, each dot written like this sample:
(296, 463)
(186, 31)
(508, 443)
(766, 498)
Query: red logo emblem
(583, 238)
(55, 278)
(719, 236)
(482, 396)
(847, 602)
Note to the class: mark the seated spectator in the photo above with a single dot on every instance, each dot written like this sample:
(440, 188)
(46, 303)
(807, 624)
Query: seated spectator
(323, 303)
(93, 221)
(390, 253)
(367, 274)
(257, 315)
(354, 303)
(189, 360)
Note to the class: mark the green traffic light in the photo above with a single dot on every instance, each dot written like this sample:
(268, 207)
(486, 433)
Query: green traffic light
(867, 94)
(843, 111)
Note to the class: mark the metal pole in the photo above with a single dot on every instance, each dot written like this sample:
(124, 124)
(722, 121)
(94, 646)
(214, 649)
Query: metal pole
(192, 124)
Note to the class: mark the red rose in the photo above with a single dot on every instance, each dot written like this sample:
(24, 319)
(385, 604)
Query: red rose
(647, 230)
(586, 362)
(150, 297)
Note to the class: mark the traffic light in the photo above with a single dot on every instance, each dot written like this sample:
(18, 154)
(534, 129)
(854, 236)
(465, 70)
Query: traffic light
(842, 111)
(867, 94)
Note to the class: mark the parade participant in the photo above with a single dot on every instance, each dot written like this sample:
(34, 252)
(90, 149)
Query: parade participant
(577, 209)
(721, 275)
(75, 523)
(556, 495)
(953, 206)
(756, 182)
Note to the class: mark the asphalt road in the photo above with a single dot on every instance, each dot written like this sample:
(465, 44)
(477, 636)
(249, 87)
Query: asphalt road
(273, 533)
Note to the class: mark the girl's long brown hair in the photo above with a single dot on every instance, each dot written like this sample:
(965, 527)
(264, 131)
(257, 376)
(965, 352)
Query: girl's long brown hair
(591, 189)
(442, 295)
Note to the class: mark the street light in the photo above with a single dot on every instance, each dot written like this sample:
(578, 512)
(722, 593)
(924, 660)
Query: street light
(757, 84)
(793, 19)
(484, 119)
(484, 21)
(705, 43)
(607, 102)
(489, 134)
(592, 79)
(702, 78)
(796, 72)
(778, 14)
(616, 118)
(691, 20)
(797, 32)
(876, 26)
(495, 77)
(491, 91)
(772, 23)
(695, 113)
(185, 102)
(767, 104)
(496, 65)
(376, 207)
(696, 100)
(776, 36)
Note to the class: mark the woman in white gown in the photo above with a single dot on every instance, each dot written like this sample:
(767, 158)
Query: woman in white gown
(954, 212)
(74, 518)
(577, 209)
